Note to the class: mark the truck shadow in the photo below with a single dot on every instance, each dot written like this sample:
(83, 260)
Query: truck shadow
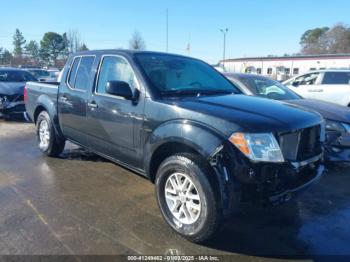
(81, 154)
(263, 232)
(308, 228)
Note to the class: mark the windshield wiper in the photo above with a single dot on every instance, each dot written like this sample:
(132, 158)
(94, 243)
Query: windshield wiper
(196, 92)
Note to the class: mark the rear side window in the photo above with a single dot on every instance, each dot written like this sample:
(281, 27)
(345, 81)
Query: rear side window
(83, 73)
(73, 72)
(80, 72)
(336, 78)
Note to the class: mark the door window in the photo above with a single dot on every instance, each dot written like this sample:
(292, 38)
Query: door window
(336, 78)
(308, 79)
(73, 72)
(114, 68)
(80, 72)
(83, 73)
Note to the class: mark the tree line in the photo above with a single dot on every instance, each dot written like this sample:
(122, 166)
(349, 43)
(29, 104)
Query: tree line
(325, 40)
(52, 50)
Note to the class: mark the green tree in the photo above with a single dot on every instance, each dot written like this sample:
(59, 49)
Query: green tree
(33, 50)
(326, 40)
(311, 40)
(18, 42)
(51, 46)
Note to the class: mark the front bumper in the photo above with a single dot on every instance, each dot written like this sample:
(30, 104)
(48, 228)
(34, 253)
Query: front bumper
(337, 147)
(273, 183)
(287, 194)
(11, 108)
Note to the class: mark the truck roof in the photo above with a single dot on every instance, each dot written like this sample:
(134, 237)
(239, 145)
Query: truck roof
(123, 51)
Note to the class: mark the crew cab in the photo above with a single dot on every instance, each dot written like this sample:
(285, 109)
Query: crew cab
(327, 85)
(184, 126)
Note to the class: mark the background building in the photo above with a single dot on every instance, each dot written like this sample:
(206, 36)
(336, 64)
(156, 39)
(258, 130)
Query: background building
(284, 67)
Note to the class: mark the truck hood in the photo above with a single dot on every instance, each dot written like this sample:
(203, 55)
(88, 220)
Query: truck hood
(253, 114)
(12, 88)
(329, 111)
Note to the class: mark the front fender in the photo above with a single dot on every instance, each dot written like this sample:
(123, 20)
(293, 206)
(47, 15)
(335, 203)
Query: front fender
(209, 144)
(199, 137)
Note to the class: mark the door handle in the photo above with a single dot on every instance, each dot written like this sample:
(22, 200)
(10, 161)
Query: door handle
(63, 99)
(92, 104)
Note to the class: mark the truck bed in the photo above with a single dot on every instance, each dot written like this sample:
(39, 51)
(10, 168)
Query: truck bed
(38, 91)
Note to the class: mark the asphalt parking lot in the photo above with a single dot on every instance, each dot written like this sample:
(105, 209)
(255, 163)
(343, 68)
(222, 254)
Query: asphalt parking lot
(82, 204)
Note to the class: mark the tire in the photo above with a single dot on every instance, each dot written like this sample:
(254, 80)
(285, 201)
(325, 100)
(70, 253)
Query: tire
(47, 139)
(199, 224)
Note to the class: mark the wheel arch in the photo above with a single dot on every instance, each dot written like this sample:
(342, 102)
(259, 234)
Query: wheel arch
(45, 103)
(178, 137)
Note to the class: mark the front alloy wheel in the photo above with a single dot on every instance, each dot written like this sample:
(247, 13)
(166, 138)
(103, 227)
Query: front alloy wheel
(182, 199)
(187, 197)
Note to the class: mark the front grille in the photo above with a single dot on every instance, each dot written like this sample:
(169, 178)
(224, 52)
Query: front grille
(302, 144)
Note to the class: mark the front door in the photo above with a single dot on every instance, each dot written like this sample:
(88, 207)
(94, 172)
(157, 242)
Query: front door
(114, 122)
(307, 85)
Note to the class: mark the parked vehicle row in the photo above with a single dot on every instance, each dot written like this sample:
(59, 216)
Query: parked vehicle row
(12, 82)
(184, 126)
(44, 75)
(337, 117)
(327, 85)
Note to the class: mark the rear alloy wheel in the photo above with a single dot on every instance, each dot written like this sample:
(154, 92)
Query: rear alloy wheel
(44, 135)
(48, 141)
(187, 198)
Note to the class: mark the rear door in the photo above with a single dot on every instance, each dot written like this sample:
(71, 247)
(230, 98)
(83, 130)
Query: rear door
(73, 97)
(115, 123)
(336, 87)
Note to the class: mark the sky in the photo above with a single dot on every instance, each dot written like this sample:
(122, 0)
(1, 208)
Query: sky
(256, 27)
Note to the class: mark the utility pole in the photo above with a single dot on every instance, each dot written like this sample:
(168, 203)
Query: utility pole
(167, 31)
(224, 31)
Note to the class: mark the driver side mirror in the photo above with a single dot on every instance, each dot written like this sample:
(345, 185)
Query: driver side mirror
(119, 88)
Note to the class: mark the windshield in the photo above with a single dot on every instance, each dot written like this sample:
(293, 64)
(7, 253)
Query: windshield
(40, 73)
(15, 76)
(175, 75)
(268, 88)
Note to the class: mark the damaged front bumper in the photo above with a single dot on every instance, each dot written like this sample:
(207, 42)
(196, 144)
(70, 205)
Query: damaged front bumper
(308, 180)
(12, 108)
(276, 183)
(337, 146)
(244, 181)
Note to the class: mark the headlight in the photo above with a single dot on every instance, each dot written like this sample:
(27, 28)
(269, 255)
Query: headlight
(335, 126)
(258, 147)
(347, 127)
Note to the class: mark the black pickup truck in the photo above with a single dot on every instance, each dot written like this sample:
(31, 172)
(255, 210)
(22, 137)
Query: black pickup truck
(183, 125)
